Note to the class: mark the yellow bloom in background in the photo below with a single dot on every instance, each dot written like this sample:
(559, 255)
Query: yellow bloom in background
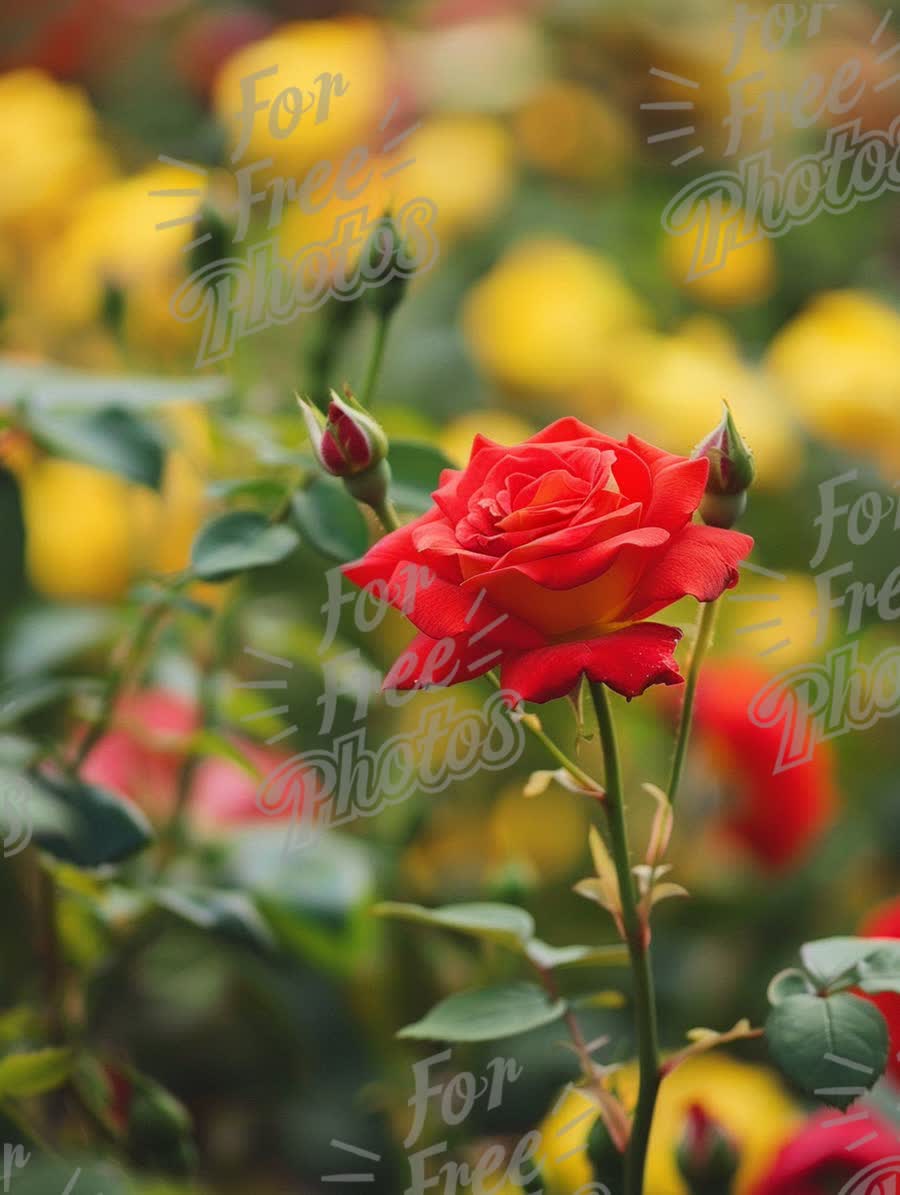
(794, 603)
(89, 533)
(838, 364)
(748, 1100)
(82, 531)
(464, 164)
(303, 51)
(675, 387)
(570, 131)
(547, 317)
(500, 426)
(547, 833)
(113, 240)
(50, 150)
(742, 276)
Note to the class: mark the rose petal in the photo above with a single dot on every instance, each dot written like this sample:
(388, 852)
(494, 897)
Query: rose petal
(701, 562)
(628, 660)
(440, 662)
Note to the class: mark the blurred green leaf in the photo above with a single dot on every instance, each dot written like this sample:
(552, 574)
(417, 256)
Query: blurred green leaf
(331, 520)
(415, 471)
(52, 385)
(546, 956)
(112, 438)
(28, 696)
(832, 1047)
(231, 915)
(880, 970)
(833, 961)
(264, 491)
(239, 541)
(792, 982)
(100, 828)
(42, 637)
(25, 1075)
(505, 924)
(487, 1014)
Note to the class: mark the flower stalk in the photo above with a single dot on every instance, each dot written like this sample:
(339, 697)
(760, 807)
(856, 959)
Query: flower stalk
(637, 941)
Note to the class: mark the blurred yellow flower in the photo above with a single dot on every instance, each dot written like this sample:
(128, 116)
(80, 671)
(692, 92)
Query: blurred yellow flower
(675, 387)
(501, 427)
(748, 1100)
(50, 151)
(89, 533)
(547, 833)
(745, 274)
(301, 228)
(309, 55)
(547, 317)
(113, 240)
(838, 364)
(463, 164)
(568, 130)
(793, 602)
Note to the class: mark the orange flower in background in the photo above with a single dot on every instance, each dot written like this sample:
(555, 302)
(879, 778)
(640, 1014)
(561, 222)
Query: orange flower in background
(548, 559)
(774, 816)
(884, 922)
(141, 756)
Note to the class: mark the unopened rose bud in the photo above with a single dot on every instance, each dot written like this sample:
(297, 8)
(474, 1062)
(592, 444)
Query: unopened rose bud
(348, 442)
(383, 267)
(731, 468)
(707, 1155)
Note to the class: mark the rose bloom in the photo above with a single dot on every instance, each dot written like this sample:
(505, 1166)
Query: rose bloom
(884, 922)
(830, 1151)
(774, 817)
(143, 752)
(548, 559)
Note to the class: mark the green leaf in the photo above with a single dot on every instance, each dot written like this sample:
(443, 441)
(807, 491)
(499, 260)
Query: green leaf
(833, 1047)
(99, 827)
(792, 982)
(25, 1075)
(51, 385)
(833, 961)
(231, 915)
(239, 541)
(880, 971)
(112, 438)
(487, 1014)
(415, 469)
(506, 924)
(543, 955)
(27, 696)
(264, 491)
(331, 520)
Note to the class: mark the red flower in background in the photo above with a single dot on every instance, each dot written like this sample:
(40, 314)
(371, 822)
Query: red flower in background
(831, 1150)
(548, 559)
(775, 816)
(884, 922)
(143, 753)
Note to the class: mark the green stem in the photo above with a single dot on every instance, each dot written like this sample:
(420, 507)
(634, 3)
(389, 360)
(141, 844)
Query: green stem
(644, 998)
(530, 722)
(387, 515)
(701, 644)
(381, 331)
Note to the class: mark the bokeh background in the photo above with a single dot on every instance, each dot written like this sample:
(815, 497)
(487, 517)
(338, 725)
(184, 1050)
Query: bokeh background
(556, 292)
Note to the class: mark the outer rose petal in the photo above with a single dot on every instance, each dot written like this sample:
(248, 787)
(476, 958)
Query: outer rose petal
(440, 662)
(701, 562)
(826, 1153)
(628, 660)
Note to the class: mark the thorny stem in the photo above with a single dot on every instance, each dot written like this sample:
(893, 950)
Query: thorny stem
(701, 644)
(644, 997)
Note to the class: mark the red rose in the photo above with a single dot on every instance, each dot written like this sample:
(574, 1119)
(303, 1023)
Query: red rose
(142, 755)
(775, 816)
(547, 559)
(884, 922)
(831, 1150)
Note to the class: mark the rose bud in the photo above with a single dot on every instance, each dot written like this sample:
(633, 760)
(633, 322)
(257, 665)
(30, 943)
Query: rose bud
(731, 469)
(707, 1155)
(383, 264)
(349, 441)
(731, 472)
